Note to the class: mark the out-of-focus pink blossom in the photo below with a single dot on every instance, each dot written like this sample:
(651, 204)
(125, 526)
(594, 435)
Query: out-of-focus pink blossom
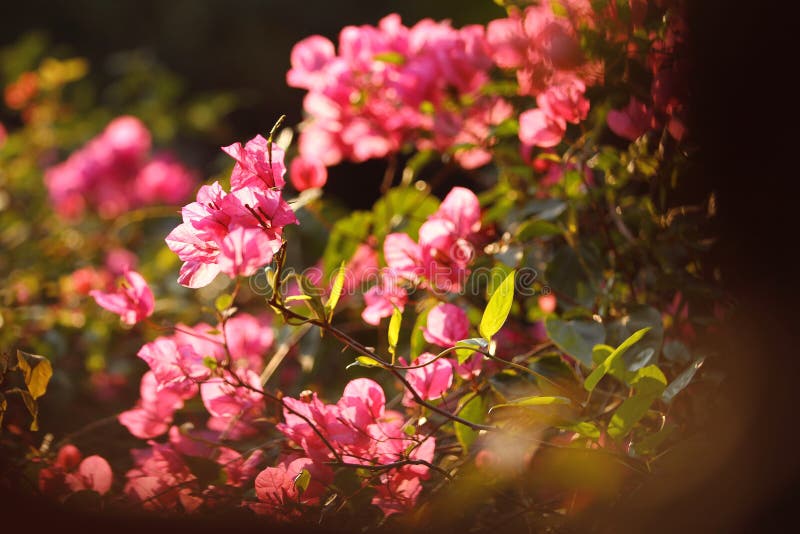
(631, 122)
(132, 301)
(119, 261)
(539, 129)
(153, 413)
(163, 179)
(111, 174)
(382, 298)
(307, 173)
(69, 474)
(430, 381)
(447, 324)
(309, 58)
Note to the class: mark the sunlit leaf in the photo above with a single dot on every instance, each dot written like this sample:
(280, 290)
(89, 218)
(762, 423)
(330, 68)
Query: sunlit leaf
(532, 401)
(498, 308)
(474, 411)
(394, 329)
(37, 370)
(600, 371)
(681, 381)
(336, 290)
(302, 480)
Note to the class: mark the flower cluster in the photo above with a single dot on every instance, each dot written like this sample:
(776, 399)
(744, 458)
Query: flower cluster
(392, 85)
(115, 173)
(186, 363)
(439, 260)
(357, 430)
(235, 233)
(70, 473)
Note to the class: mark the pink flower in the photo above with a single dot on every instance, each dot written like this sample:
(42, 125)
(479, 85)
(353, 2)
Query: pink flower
(631, 122)
(233, 408)
(249, 339)
(447, 324)
(383, 298)
(119, 261)
(163, 179)
(234, 233)
(132, 301)
(127, 138)
(253, 168)
(463, 209)
(161, 480)
(540, 129)
(307, 173)
(430, 381)
(68, 474)
(565, 99)
(153, 413)
(309, 58)
(275, 486)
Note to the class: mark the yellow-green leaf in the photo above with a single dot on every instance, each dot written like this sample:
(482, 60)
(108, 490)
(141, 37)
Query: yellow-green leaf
(533, 401)
(394, 329)
(37, 370)
(472, 409)
(336, 290)
(365, 361)
(600, 371)
(302, 480)
(223, 302)
(498, 308)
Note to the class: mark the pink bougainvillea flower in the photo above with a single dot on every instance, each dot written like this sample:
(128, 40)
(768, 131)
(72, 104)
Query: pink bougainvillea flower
(233, 233)
(276, 488)
(69, 474)
(382, 298)
(309, 58)
(565, 99)
(132, 301)
(307, 173)
(430, 381)
(153, 413)
(233, 408)
(161, 480)
(119, 261)
(447, 324)
(163, 179)
(463, 209)
(253, 167)
(631, 122)
(540, 129)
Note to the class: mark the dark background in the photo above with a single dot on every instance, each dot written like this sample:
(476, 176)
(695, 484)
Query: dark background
(742, 102)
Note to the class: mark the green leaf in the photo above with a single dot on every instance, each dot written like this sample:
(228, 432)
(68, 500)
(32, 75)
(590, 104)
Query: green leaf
(577, 337)
(601, 370)
(364, 361)
(409, 430)
(498, 308)
(223, 302)
(649, 383)
(463, 353)
(681, 381)
(536, 228)
(394, 329)
(395, 58)
(585, 429)
(336, 290)
(473, 409)
(302, 480)
(532, 401)
(37, 370)
(600, 353)
(646, 351)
